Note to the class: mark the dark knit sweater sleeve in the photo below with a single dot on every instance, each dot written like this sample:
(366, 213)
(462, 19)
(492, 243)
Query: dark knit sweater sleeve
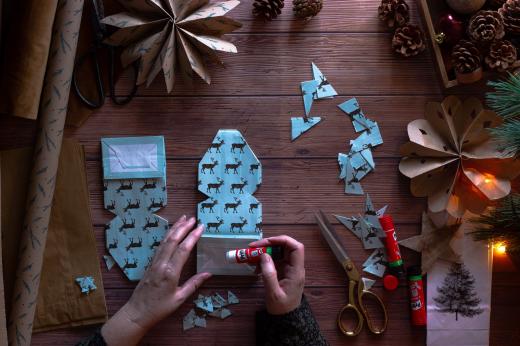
(95, 339)
(297, 328)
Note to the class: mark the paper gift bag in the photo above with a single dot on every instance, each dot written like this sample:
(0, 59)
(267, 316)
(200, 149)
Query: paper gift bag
(229, 174)
(70, 249)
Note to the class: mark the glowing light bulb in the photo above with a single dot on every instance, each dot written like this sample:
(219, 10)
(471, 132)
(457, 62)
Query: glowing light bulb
(500, 248)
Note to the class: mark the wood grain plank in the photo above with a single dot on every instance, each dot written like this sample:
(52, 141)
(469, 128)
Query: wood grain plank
(189, 125)
(291, 191)
(275, 64)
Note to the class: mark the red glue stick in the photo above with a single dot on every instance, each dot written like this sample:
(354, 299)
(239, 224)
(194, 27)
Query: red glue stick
(417, 307)
(252, 254)
(395, 262)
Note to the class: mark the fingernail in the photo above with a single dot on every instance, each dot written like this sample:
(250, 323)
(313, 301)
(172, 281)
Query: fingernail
(192, 219)
(183, 217)
(201, 225)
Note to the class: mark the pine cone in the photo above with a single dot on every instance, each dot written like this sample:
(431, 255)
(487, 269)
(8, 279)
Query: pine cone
(307, 8)
(510, 12)
(486, 26)
(408, 40)
(501, 56)
(267, 9)
(465, 57)
(394, 12)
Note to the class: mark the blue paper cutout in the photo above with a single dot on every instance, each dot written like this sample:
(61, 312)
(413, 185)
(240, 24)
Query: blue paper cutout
(134, 234)
(229, 174)
(359, 161)
(109, 261)
(309, 92)
(86, 283)
(300, 125)
(324, 89)
(232, 298)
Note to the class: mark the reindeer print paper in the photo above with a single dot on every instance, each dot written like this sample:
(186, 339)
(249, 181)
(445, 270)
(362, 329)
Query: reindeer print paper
(300, 125)
(315, 89)
(229, 174)
(355, 165)
(134, 171)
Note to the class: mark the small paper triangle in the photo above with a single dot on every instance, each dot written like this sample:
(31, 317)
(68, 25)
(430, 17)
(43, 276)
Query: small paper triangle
(301, 125)
(324, 89)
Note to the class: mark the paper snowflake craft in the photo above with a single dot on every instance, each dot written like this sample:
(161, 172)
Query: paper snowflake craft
(452, 159)
(355, 165)
(433, 243)
(171, 35)
(214, 306)
(368, 229)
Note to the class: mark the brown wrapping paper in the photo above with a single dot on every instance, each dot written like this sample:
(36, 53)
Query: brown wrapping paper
(52, 114)
(28, 38)
(3, 326)
(70, 250)
(452, 159)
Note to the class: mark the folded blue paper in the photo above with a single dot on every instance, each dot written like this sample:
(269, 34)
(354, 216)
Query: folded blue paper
(134, 171)
(300, 125)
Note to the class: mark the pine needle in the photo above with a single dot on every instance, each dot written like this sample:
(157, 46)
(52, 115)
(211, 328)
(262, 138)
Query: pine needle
(505, 99)
(502, 224)
(508, 136)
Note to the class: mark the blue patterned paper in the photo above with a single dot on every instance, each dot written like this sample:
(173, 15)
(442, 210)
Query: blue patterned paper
(299, 125)
(229, 174)
(309, 92)
(133, 235)
(324, 89)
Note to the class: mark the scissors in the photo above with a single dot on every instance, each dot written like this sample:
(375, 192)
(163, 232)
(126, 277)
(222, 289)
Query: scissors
(355, 305)
(100, 33)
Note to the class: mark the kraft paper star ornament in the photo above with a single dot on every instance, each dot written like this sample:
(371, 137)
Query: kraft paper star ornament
(433, 243)
(172, 35)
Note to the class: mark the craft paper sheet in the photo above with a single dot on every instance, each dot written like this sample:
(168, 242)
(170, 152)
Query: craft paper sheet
(229, 175)
(134, 170)
(300, 125)
(454, 328)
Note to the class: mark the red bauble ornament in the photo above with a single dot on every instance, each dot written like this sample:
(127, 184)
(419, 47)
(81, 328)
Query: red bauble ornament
(450, 29)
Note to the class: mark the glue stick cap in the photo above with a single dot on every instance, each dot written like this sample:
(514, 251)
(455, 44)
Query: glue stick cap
(231, 256)
(390, 282)
(276, 252)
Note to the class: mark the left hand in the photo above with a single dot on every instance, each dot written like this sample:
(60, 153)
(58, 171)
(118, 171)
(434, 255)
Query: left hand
(158, 294)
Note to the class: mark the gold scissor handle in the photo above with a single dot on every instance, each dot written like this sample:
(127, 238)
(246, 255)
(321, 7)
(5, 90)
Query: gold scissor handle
(364, 294)
(359, 316)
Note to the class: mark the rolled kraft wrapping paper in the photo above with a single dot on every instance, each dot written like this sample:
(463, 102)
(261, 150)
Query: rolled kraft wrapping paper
(53, 109)
(26, 39)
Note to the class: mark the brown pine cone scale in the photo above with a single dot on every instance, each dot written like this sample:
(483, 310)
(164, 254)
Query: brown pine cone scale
(510, 12)
(501, 56)
(267, 9)
(408, 40)
(394, 12)
(307, 8)
(486, 27)
(465, 57)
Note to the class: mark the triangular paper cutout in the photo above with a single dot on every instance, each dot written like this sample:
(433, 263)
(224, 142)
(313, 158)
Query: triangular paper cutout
(299, 125)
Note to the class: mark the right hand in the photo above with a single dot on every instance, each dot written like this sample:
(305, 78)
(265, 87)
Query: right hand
(284, 295)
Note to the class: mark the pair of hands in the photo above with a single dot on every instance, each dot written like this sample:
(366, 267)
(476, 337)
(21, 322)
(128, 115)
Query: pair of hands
(158, 294)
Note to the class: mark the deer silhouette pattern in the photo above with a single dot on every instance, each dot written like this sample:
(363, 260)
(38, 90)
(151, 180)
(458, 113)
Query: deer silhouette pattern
(135, 232)
(229, 174)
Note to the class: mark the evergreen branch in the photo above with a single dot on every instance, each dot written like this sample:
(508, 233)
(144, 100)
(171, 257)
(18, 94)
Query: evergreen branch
(505, 98)
(508, 136)
(501, 224)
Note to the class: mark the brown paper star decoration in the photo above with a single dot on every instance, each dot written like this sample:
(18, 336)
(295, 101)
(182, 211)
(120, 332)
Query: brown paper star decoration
(171, 35)
(433, 244)
(452, 159)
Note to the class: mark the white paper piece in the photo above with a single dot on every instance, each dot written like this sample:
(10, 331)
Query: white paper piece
(109, 261)
(368, 283)
(467, 321)
(133, 158)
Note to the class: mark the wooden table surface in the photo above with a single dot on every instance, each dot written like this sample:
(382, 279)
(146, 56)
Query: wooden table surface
(257, 93)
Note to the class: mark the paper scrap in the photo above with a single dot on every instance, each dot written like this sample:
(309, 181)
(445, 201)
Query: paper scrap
(309, 92)
(204, 303)
(377, 256)
(221, 313)
(86, 283)
(199, 321)
(218, 301)
(355, 165)
(109, 261)
(368, 283)
(324, 89)
(351, 223)
(369, 235)
(232, 298)
(300, 125)
(188, 321)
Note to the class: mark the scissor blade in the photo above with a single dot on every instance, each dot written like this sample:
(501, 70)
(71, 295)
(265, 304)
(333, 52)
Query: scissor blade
(331, 237)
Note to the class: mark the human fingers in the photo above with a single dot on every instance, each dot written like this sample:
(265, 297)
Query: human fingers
(172, 239)
(182, 252)
(190, 286)
(294, 249)
(269, 275)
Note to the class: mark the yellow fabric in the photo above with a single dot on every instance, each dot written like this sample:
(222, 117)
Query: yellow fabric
(70, 250)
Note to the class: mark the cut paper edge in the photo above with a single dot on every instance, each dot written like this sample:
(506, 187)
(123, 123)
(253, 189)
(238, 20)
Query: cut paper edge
(300, 125)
